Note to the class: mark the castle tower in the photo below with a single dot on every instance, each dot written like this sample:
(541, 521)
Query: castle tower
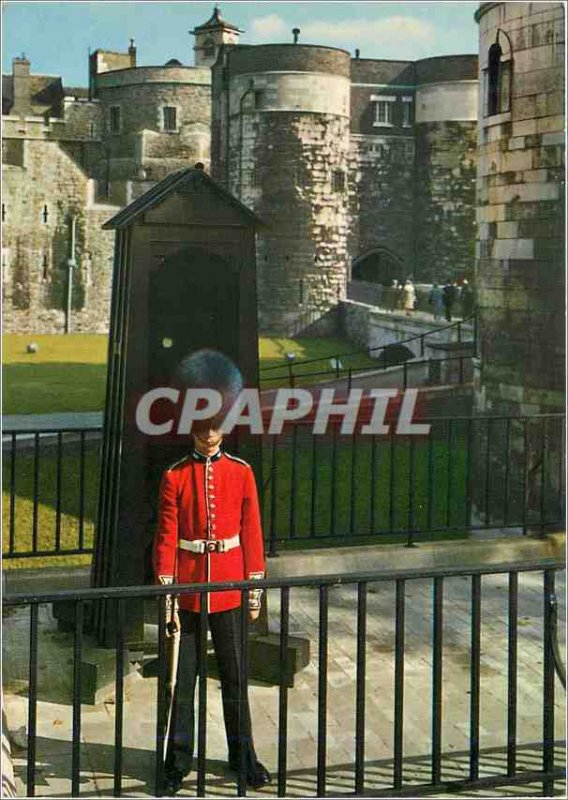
(446, 146)
(520, 254)
(412, 168)
(520, 249)
(280, 142)
(210, 36)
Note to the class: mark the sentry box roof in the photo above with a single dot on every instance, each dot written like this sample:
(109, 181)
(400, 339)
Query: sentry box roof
(194, 179)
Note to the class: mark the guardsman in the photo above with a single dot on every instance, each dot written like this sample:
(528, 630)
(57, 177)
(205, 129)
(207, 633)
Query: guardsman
(209, 530)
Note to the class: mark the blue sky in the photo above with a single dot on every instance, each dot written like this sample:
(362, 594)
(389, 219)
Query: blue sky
(56, 36)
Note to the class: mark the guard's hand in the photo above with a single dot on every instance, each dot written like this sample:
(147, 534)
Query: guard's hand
(172, 618)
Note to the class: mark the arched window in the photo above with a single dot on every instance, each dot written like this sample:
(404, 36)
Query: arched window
(209, 48)
(497, 76)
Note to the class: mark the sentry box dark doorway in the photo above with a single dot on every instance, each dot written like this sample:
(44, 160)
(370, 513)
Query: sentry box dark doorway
(184, 278)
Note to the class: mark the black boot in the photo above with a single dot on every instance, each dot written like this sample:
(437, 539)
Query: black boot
(173, 780)
(256, 773)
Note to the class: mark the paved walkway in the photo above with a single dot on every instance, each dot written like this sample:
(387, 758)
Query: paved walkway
(54, 717)
(39, 422)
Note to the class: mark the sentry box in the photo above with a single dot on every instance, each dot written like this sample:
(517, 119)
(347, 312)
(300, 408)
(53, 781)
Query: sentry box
(184, 278)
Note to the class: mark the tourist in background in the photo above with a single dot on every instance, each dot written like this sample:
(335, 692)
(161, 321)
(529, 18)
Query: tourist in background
(436, 301)
(449, 298)
(409, 297)
(467, 299)
(393, 296)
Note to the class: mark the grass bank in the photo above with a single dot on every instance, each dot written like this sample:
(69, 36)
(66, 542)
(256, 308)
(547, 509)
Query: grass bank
(68, 373)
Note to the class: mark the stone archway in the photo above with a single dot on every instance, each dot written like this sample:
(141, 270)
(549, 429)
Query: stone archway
(379, 265)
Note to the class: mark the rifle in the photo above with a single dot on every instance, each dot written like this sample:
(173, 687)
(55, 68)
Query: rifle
(172, 658)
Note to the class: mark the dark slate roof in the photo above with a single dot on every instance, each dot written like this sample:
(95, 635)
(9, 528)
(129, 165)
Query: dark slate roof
(156, 194)
(215, 22)
(46, 94)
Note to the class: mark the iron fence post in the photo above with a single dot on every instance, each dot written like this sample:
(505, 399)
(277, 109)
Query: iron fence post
(548, 687)
(272, 549)
(512, 675)
(283, 691)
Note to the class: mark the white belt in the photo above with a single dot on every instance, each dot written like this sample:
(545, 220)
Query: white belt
(210, 545)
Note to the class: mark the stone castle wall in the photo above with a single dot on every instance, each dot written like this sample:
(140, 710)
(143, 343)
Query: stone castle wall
(290, 130)
(39, 197)
(445, 200)
(412, 185)
(520, 264)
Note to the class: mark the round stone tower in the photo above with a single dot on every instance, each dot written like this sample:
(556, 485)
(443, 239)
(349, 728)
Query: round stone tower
(520, 200)
(155, 120)
(446, 143)
(280, 142)
(520, 257)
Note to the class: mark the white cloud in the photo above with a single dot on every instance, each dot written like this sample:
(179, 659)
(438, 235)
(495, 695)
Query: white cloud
(395, 30)
(268, 27)
(391, 30)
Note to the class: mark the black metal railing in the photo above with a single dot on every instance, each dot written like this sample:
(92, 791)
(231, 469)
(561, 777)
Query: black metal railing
(332, 364)
(468, 473)
(429, 371)
(475, 773)
(50, 484)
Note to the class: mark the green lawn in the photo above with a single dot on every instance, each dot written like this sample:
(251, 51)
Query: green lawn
(356, 488)
(68, 373)
(343, 494)
(273, 354)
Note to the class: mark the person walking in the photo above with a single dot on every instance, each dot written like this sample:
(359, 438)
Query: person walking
(448, 297)
(209, 530)
(409, 297)
(393, 298)
(467, 299)
(436, 301)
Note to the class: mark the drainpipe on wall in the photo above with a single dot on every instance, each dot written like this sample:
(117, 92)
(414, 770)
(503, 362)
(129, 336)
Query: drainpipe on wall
(241, 134)
(71, 264)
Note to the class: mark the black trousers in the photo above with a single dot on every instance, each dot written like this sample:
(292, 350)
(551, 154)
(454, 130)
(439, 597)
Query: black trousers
(225, 632)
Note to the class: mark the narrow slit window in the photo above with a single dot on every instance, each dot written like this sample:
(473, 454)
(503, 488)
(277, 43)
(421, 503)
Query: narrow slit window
(338, 180)
(45, 215)
(497, 83)
(260, 98)
(406, 112)
(170, 118)
(114, 120)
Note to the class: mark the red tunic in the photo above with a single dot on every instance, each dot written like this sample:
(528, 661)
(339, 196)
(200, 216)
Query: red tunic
(209, 498)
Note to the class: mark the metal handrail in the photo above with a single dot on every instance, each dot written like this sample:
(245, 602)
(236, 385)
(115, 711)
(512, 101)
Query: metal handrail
(337, 372)
(335, 579)
(457, 324)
